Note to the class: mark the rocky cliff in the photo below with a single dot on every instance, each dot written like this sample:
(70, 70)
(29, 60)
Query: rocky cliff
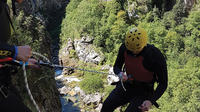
(31, 22)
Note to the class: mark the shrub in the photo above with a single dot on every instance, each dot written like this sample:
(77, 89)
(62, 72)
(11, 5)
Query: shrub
(92, 83)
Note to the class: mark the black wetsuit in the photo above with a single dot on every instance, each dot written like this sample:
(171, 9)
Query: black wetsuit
(5, 49)
(10, 100)
(150, 68)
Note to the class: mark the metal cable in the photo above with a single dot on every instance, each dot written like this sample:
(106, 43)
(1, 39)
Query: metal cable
(93, 71)
(59, 66)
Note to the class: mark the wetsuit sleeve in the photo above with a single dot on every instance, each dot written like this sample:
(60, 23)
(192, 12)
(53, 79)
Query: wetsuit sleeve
(160, 69)
(7, 51)
(120, 60)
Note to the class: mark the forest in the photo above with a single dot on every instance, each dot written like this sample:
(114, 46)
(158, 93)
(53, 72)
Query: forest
(171, 26)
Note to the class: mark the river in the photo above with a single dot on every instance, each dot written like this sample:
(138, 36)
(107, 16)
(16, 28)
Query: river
(68, 106)
(54, 29)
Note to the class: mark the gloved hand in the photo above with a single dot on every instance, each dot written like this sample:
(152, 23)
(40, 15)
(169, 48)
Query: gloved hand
(24, 53)
(19, 1)
(146, 105)
(123, 76)
(32, 63)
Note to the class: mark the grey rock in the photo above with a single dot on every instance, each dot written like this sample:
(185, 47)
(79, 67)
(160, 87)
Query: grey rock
(92, 99)
(98, 109)
(64, 90)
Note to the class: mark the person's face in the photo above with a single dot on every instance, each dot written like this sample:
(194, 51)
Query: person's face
(137, 51)
(135, 40)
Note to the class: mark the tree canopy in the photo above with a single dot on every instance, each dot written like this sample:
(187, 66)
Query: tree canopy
(171, 28)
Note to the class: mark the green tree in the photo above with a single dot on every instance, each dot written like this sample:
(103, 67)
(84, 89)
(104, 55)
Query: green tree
(92, 83)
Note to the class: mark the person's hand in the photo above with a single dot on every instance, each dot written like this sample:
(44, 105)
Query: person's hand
(146, 105)
(24, 53)
(19, 1)
(32, 63)
(123, 76)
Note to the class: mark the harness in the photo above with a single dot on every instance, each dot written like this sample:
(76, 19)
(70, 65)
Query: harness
(138, 67)
(148, 62)
(6, 70)
(4, 90)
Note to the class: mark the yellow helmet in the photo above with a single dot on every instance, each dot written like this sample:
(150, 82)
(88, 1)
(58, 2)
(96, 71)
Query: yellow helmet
(136, 39)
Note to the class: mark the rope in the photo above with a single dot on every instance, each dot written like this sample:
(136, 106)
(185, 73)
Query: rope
(93, 71)
(27, 88)
(38, 54)
(122, 84)
(59, 66)
(54, 65)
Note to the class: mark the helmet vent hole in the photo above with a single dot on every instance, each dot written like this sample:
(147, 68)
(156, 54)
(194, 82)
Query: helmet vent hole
(135, 30)
(133, 39)
(138, 38)
(129, 36)
(139, 33)
(131, 32)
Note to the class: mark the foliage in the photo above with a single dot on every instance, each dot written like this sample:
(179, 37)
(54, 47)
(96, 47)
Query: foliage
(92, 83)
(107, 90)
(31, 31)
(84, 19)
(104, 20)
(72, 54)
(173, 29)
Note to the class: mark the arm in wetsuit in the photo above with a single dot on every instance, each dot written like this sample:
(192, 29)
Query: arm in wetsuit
(160, 69)
(6, 50)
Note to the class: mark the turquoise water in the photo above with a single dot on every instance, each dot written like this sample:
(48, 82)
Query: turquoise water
(68, 106)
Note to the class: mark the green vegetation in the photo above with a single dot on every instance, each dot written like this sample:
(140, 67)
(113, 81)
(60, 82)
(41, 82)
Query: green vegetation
(92, 83)
(30, 31)
(171, 28)
(107, 90)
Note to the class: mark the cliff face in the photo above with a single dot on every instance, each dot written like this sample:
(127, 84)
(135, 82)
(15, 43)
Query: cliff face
(31, 23)
(30, 6)
(30, 31)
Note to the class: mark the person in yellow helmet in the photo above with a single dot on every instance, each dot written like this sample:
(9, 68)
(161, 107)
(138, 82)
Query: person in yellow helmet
(139, 65)
(10, 100)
